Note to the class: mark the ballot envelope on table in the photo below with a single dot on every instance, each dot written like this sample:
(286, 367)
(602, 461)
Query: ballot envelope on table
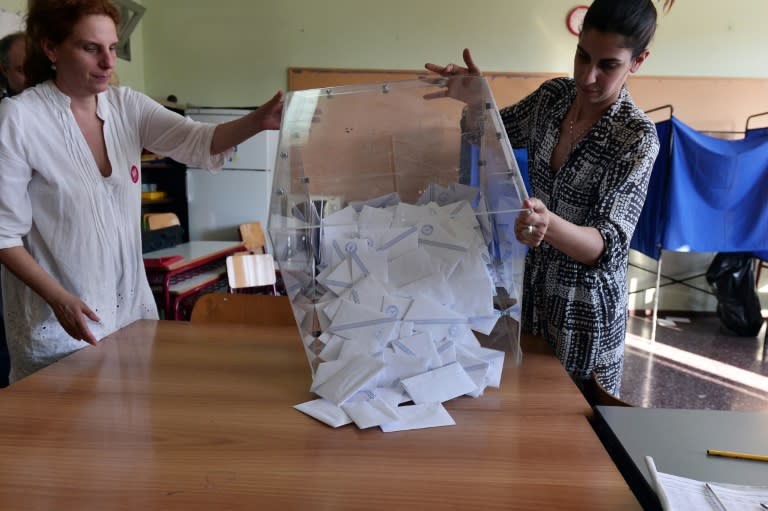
(391, 221)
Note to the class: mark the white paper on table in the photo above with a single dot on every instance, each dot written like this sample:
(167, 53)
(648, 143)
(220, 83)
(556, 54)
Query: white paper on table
(372, 218)
(383, 201)
(428, 315)
(434, 287)
(398, 367)
(678, 493)
(329, 304)
(419, 416)
(339, 225)
(441, 244)
(371, 411)
(484, 324)
(324, 371)
(395, 306)
(363, 264)
(476, 368)
(439, 385)
(367, 291)
(360, 322)
(450, 194)
(466, 337)
(446, 349)
(308, 340)
(406, 329)
(355, 347)
(355, 374)
(483, 218)
(459, 216)
(392, 395)
(410, 267)
(475, 285)
(408, 215)
(332, 348)
(327, 271)
(325, 411)
(434, 192)
(341, 219)
(419, 345)
(494, 359)
(333, 247)
(396, 241)
(339, 279)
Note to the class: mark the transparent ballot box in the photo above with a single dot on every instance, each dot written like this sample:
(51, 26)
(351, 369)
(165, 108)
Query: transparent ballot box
(391, 220)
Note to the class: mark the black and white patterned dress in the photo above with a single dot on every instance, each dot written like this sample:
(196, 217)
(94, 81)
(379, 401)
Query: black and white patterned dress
(582, 310)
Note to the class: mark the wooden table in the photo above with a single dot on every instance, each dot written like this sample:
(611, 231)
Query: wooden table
(173, 415)
(202, 264)
(678, 440)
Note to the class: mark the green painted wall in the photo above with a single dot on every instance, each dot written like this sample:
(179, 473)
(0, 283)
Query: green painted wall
(235, 52)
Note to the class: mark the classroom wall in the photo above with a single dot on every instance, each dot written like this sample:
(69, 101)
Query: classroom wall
(235, 52)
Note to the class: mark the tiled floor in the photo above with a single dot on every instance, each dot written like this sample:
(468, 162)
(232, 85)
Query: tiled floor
(696, 365)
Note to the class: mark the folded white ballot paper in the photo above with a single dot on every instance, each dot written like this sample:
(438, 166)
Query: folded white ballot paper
(439, 385)
(325, 411)
(370, 411)
(350, 377)
(400, 289)
(678, 493)
(428, 415)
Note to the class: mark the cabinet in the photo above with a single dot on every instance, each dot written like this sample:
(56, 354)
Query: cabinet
(164, 189)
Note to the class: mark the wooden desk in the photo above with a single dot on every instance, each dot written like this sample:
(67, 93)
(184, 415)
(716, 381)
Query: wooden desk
(202, 264)
(172, 415)
(678, 440)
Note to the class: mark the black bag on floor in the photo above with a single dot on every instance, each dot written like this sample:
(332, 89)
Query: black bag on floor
(738, 306)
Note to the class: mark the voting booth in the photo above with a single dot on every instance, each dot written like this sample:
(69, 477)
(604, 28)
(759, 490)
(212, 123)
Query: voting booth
(391, 221)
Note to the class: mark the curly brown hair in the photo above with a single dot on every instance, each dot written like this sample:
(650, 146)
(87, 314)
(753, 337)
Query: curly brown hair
(54, 21)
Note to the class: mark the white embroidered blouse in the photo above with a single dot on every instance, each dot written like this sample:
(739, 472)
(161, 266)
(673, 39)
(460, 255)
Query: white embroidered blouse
(83, 228)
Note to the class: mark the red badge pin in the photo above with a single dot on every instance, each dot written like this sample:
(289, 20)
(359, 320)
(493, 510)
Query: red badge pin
(134, 173)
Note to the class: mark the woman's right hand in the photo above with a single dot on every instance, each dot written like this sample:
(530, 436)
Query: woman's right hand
(457, 85)
(71, 313)
(456, 70)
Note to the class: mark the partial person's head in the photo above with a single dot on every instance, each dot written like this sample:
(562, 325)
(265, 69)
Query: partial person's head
(72, 42)
(13, 49)
(613, 43)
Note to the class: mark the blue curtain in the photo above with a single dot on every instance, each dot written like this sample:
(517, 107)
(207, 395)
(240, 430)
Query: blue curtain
(710, 197)
(718, 193)
(650, 226)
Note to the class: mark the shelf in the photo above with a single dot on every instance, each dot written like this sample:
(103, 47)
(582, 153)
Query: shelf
(154, 202)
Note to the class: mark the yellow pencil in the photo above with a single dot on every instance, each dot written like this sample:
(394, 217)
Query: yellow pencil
(740, 455)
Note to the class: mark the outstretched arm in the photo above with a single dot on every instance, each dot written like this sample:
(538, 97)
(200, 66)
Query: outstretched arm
(266, 117)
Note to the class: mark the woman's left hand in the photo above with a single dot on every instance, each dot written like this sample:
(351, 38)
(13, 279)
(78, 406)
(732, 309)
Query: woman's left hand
(532, 225)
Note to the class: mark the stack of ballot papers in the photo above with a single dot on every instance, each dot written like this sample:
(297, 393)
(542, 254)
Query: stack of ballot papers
(404, 288)
(683, 494)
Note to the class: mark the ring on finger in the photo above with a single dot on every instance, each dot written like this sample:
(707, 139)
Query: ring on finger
(529, 230)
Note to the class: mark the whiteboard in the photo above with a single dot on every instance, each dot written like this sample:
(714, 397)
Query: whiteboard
(10, 22)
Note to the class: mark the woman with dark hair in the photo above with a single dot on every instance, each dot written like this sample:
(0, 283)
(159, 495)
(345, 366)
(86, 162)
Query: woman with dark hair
(70, 201)
(590, 156)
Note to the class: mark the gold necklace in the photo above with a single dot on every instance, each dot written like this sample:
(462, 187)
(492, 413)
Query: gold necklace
(575, 137)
